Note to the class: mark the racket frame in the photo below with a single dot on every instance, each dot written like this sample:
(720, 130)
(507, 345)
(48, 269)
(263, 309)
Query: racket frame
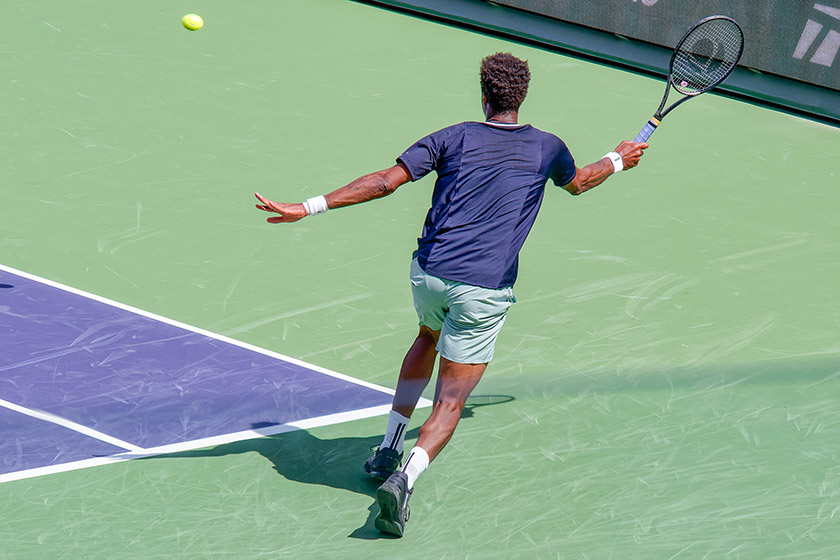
(654, 121)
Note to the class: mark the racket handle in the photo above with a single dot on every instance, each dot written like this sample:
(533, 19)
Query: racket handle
(646, 132)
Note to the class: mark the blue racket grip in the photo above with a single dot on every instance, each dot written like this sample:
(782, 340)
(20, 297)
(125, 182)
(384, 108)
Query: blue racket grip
(646, 132)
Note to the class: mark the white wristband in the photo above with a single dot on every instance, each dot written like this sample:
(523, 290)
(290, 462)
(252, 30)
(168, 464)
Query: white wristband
(315, 205)
(615, 159)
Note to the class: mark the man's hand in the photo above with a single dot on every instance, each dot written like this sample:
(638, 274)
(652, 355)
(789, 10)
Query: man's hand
(631, 152)
(288, 212)
(596, 173)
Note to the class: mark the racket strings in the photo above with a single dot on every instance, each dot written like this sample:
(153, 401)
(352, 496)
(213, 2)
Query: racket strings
(706, 56)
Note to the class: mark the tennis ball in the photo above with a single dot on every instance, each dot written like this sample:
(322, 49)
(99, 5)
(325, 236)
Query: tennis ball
(193, 22)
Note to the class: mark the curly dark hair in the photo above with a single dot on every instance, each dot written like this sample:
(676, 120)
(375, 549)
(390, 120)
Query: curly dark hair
(504, 81)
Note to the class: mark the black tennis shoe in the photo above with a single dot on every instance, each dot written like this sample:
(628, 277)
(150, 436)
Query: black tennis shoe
(383, 463)
(392, 498)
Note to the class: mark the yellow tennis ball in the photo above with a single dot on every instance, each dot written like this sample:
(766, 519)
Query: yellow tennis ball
(193, 22)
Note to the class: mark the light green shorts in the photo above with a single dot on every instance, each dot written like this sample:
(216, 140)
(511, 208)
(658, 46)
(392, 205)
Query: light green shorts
(469, 318)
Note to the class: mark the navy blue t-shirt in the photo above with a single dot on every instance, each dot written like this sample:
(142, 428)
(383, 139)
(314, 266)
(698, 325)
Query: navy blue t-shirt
(490, 185)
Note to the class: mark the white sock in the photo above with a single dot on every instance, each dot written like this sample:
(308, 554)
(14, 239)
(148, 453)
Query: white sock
(417, 462)
(395, 434)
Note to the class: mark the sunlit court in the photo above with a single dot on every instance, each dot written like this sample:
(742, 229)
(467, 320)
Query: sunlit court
(181, 379)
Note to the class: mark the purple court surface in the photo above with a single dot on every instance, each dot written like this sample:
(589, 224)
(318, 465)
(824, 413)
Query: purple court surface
(82, 377)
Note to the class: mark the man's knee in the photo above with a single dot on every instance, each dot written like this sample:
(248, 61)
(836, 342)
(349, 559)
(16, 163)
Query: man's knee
(450, 404)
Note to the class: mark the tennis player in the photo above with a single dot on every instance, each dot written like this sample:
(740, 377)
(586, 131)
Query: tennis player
(491, 177)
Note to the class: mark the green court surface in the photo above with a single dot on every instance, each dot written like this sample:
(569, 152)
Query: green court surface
(673, 360)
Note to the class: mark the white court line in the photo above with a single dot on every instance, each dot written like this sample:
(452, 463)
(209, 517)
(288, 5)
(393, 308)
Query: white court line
(135, 452)
(90, 432)
(212, 441)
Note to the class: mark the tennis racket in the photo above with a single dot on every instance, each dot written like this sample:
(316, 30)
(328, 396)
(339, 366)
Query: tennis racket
(703, 58)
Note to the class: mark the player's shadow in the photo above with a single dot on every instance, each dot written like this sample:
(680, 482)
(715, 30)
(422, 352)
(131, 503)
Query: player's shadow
(302, 457)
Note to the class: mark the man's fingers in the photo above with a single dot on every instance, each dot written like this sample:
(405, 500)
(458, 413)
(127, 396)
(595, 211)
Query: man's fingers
(268, 204)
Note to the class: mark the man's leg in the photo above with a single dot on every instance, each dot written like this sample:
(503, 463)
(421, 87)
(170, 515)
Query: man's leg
(416, 370)
(455, 383)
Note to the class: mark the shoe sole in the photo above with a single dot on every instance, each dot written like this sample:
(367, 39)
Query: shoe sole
(388, 520)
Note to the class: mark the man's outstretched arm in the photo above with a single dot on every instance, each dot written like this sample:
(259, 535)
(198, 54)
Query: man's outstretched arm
(596, 173)
(370, 186)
